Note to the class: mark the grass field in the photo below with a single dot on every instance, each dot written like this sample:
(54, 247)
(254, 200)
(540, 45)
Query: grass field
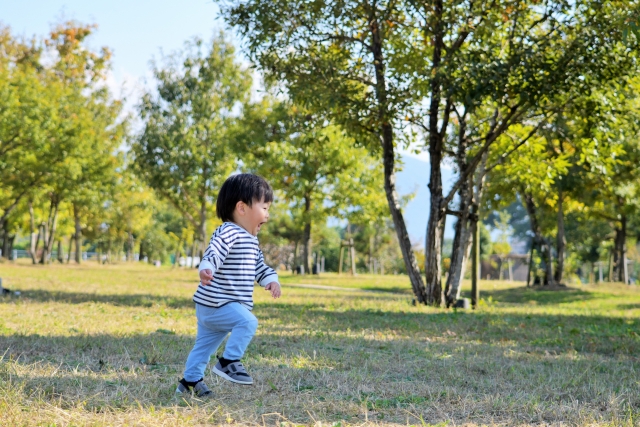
(105, 345)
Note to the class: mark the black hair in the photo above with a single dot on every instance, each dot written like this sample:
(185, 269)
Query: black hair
(243, 187)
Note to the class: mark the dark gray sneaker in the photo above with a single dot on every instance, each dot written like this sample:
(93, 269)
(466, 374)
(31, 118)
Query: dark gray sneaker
(199, 389)
(233, 372)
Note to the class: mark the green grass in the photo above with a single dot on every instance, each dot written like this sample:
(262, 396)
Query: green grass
(105, 345)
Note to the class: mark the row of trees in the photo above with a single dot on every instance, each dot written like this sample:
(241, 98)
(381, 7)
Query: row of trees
(73, 171)
(533, 102)
(474, 82)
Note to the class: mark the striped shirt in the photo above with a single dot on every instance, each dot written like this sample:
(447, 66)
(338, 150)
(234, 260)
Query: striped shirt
(236, 261)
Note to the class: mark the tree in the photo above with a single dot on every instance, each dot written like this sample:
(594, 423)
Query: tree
(60, 126)
(481, 67)
(184, 151)
(341, 59)
(318, 168)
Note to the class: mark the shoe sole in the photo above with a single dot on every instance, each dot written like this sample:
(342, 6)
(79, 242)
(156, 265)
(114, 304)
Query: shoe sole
(228, 378)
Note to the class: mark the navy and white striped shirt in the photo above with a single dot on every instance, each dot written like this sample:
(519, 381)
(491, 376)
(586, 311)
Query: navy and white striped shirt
(236, 261)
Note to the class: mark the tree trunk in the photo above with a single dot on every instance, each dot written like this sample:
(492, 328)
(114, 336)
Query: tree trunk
(60, 254)
(621, 234)
(388, 156)
(78, 233)
(70, 249)
(530, 268)
(204, 242)
(437, 215)
(544, 245)
(33, 240)
(475, 266)
(12, 240)
(176, 259)
(52, 224)
(471, 211)
(44, 227)
(548, 279)
(5, 240)
(561, 241)
(129, 246)
(461, 246)
(306, 235)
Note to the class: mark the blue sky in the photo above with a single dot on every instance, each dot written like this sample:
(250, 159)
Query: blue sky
(138, 30)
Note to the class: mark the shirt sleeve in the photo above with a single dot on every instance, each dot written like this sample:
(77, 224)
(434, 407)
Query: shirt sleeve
(264, 273)
(218, 250)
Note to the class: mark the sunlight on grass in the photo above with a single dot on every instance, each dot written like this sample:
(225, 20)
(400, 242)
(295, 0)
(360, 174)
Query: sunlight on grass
(105, 345)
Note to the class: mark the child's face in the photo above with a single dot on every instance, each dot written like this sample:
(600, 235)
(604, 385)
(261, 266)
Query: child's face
(252, 217)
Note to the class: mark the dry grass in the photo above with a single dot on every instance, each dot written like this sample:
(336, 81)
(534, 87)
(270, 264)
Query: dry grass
(105, 345)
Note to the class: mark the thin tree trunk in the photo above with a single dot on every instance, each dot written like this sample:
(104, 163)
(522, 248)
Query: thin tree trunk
(388, 156)
(52, 225)
(12, 240)
(561, 241)
(203, 228)
(45, 235)
(129, 246)
(458, 268)
(545, 246)
(461, 245)
(622, 249)
(306, 235)
(70, 249)
(610, 275)
(176, 260)
(549, 265)
(34, 236)
(5, 240)
(530, 269)
(371, 254)
(60, 254)
(78, 233)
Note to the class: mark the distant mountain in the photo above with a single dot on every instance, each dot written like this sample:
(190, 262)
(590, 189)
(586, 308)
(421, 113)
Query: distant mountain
(414, 177)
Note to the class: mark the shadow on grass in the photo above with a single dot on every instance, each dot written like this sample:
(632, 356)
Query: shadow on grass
(124, 371)
(584, 333)
(629, 306)
(588, 334)
(131, 300)
(538, 295)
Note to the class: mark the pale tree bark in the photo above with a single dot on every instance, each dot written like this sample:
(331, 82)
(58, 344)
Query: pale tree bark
(464, 232)
(35, 236)
(50, 228)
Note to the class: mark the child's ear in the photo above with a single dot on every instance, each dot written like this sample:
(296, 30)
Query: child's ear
(241, 207)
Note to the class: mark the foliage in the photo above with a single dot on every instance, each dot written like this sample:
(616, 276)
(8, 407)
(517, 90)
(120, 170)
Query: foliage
(185, 150)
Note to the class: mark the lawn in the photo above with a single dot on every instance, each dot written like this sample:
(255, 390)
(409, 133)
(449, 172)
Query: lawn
(105, 345)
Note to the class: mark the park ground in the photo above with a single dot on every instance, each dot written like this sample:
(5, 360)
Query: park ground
(105, 345)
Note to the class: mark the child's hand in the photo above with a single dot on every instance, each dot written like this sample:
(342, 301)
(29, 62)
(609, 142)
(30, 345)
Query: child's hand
(274, 288)
(206, 276)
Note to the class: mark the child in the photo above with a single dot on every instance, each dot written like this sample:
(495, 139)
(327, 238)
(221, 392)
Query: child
(224, 298)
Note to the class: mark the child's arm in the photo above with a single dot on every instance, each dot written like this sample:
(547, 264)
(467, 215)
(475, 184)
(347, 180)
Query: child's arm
(267, 276)
(214, 256)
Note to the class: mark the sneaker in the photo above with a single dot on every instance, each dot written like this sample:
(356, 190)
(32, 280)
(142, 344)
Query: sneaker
(198, 388)
(233, 372)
